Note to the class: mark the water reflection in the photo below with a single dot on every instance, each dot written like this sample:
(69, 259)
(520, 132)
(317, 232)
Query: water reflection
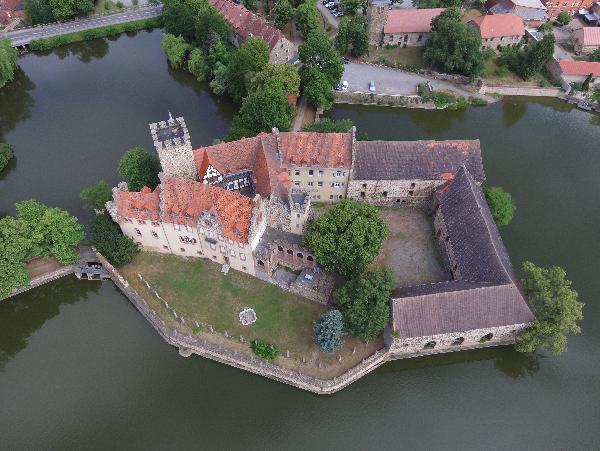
(85, 51)
(23, 315)
(15, 102)
(510, 362)
(512, 112)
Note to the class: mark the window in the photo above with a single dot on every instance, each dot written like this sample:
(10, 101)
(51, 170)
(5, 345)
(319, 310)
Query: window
(279, 248)
(229, 240)
(310, 183)
(299, 255)
(486, 337)
(319, 183)
(310, 258)
(296, 172)
(384, 194)
(320, 173)
(155, 224)
(177, 227)
(166, 248)
(261, 263)
(137, 232)
(296, 183)
(220, 237)
(241, 245)
(331, 196)
(362, 194)
(420, 38)
(335, 184)
(310, 172)
(222, 249)
(410, 193)
(338, 174)
(297, 215)
(141, 222)
(129, 220)
(244, 268)
(364, 186)
(213, 246)
(232, 252)
(242, 256)
(412, 185)
(290, 252)
(154, 234)
(199, 252)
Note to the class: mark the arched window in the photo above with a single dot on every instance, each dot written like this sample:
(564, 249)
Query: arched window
(279, 248)
(290, 252)
(310, 258)
(430, 345)
(299, 255)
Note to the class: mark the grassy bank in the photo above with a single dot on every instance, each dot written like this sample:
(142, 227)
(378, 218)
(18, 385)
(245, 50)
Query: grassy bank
(95, 33)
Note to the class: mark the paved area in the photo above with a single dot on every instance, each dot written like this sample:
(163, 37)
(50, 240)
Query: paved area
(330, 18)
(392, 81)
(22, 37)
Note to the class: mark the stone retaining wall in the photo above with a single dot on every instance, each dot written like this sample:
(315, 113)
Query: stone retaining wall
(43, 279)
(189, 344)
(365, 98)
(533, 91)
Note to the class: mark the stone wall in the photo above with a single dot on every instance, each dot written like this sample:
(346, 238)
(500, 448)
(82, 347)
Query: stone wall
(43, 279)
(406, 39)
(364, 98)
(533, 91)
(376, 17)
(393, 192)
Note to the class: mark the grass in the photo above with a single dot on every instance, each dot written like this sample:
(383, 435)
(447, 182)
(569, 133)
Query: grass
(496, 74)
(95, 33)
(470, 14)
(197, 290)
(410, 58)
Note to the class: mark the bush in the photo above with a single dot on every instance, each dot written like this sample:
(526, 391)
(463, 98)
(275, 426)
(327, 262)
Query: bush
(501, 204)
(107, 5)
(477, 101)
(488, 53)
(197, 329)
(120, 4)
(564, 18)
(95, 197)
(501, 71)
(108, 239)
(328, 331)
(265, 350)
(6, 154)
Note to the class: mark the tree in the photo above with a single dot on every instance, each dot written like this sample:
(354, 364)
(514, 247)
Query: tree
(67, 9)
(350, 6)
(501, 204)
(282, 13)
(8, 62)
(439, 3)
(140, 168)
(245, 63)
(39, 11)
(454, 46)
(176, 49)
(108, 239)
(585, 86)
(197, 65)
(178, 20)
(51, 230)
(211, 27)
(563, 18)
(250, 4)
(328, 125)
(308, 18)
(557, 308)
(14, 249)
(546, 27)
(316, 88)
(285, 74)
(365, 303)
(348, 237)
(328, 331)
(352, 33)
(95, 196)
(317, 51)
(6, 154)
(219, 82)
(595, 56)
(536, 56)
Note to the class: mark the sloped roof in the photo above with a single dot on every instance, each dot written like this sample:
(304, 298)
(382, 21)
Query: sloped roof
(533, 10)
(185, 200)
(569, 67)
(410, 20)
(328, 150)
(246, 24)
(416, 160)
(144, 204)
(591, 36)
(499, 25)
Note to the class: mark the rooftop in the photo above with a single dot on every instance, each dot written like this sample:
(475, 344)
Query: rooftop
(591, 36)
(327, 150)
(499, 25)
(143, 205)
(409, 160)
(410, 20)
(569, 67)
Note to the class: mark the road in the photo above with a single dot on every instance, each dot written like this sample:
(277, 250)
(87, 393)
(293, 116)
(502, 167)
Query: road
(330, 18)
(392, 81)
(25, 36)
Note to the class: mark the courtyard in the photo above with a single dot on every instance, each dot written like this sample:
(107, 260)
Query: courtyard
(196, 290)
(410, 249)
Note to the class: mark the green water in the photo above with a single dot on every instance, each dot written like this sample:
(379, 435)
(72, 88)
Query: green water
(81, 369)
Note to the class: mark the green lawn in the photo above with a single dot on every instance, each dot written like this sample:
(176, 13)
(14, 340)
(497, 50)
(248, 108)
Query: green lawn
(394, 56)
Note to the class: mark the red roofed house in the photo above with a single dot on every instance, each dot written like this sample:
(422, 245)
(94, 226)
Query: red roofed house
(586, 40)
(499, 30)
(11, 10)
(577, 71)
(409, 27)
(246, 24)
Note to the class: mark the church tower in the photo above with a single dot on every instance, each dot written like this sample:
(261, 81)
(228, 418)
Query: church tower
(377, 14)
(174, 148)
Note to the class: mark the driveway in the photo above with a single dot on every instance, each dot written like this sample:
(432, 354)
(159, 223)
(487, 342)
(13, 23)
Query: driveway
(330, 18)
(392, 81)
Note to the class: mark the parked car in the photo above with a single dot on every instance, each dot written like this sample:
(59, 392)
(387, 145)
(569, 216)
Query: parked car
(339, 14)
(372, 86)
(329, 5)
(325, 2)
(346, 60)
(345, 85)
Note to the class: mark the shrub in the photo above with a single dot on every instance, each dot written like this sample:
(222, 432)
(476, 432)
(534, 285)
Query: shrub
(501, 71)
(95, 197)
(6, 154)
(477, 101)
(563, 18)
(108, 239)
(119, 4)
(107, 5)
(501, 204)
(265, 350)
(197, 329)
(328, 331)
(488, 53)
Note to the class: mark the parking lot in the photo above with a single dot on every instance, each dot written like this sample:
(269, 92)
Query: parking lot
(391, 81)
(328, 13)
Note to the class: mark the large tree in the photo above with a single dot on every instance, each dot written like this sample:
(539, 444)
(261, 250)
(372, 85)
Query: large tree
(316, 88)
(308, 18)
(211, 27)
(176, 49)
(107, 237)
(282, 13)
(178, 20)
(328, 331)
(557, 309)
(8, 62)
(348, 237)
(68, 9)
(351, 6)
(365, 303)
(39, 11)
(352, 34)
(6, 154)
(95, 196)
(454, 46)
(317, 51)
(536, 56)
(140, 168)
(15, 242)
(285, 74)
(52, 231)
(244, 64)
(501, 204)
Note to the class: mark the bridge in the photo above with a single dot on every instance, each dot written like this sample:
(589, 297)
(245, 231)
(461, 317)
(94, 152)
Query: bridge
(20, 38)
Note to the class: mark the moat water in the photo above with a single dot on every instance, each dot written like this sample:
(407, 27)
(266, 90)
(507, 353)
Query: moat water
(80, 368)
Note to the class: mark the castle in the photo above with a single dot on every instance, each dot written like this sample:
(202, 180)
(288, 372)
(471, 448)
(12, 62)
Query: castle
(245, 205)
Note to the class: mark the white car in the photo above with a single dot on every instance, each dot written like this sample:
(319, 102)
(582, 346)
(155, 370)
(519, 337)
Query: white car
(372, 86)
(345, 85)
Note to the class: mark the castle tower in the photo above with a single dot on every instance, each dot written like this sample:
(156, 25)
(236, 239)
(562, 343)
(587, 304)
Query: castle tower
(377, 14)
(174, 148)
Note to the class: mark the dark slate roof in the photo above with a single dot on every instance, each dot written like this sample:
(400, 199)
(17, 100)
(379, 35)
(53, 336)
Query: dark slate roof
(474, 236)
(459, 308)
(487, 294)
(416, 160)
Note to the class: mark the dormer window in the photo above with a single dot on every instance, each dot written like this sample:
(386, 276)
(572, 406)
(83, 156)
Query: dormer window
(187, 215)
(136, 209)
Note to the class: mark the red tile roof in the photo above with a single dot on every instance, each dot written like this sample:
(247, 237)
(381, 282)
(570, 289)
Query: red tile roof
(327, 150)
(143, 205)
(247, 24)
(499, 25)
(591, 36)
(569, 67)
(185, 200)
(410, 20)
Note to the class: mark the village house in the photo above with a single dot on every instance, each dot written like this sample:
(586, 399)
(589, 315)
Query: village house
(532, 12)
(246, 24)
(499, 30)
(571, 7)
(406, 27)
(586, 40)
(569, 71)
(245, 205)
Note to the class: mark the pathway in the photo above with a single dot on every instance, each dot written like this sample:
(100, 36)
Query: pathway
(25, 36)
